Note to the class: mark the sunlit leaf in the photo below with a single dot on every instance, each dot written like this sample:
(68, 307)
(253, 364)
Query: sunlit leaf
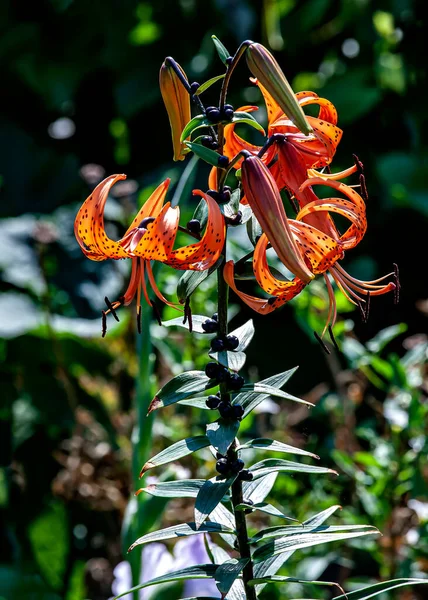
(228, 572)
(233, 360)
(180, 387)
(257, 490)
(206, 154)
(176, 451)
(197, 321)
(196, 572)
(222, 433)
(372, 591)
(274, 446)
(244, 334)
(209, 83)
(265, 508)
(179, 531)
(221, 50)
(210, 494)
(275, 464)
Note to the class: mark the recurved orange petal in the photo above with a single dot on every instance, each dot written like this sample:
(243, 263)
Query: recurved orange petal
(152, 206)
(89, 224)
(263, 306)
(320, 250)
(270, 284)
(205, 253)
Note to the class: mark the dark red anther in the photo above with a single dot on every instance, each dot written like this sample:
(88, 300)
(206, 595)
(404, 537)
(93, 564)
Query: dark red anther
(139, 319)
(156, 312)
(188, 314)
(397, 284)
(363, 188)
(104, 323)
(358, 164)
(111, 308)
(145, 222)
(321, 343)
(333, 339)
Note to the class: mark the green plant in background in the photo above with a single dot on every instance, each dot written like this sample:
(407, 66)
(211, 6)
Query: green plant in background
(292, 160)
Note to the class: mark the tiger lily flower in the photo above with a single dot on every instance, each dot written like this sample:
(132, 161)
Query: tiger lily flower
(150, 237)
(322, 250)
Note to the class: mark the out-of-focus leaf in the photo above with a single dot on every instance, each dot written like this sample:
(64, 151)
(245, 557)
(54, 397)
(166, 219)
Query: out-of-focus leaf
(233, 360)
(296, 530)
(186, 488)
(381, 339)
(221, 434)
(49, 539)
(180, 387)
(210, 494)
(274, 446)
(176, 451)
(228, 572)
(181, 530)
(196, 572)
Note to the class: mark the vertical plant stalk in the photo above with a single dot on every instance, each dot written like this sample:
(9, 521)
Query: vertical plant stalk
(237, 498)
(142, 433)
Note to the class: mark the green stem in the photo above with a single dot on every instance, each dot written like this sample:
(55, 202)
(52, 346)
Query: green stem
(237, 498)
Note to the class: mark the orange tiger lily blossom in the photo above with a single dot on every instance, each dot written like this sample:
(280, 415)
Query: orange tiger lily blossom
(151, 236)
(322, 252)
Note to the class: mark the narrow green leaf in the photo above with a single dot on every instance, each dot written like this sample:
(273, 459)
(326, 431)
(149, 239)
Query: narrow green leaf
(244, 334)
(221, 434)
(199, 402)
(196, 572)
(248, 119)
(276, 464)
(178, 531)
(262, 388)
(227, 573)
(274, 446)
(194, 124)
(237, 591)
(270, 566)
(305, 540)
(321, 517)
(233, 360)
(379, 588)
(221, 50)
(265, 508)
(180, 387)
(250, 399)
(257, 490)
(186, 488)
(296, 530)
(197, 321)
(284, 579)
(208, 84)
(210, 495)
(208, 155)
(176, 451)
(223, 516)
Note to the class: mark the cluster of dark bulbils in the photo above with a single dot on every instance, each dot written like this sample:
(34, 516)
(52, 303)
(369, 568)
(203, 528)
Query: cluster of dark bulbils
(226, 465)
(224, 407)
(214, 370)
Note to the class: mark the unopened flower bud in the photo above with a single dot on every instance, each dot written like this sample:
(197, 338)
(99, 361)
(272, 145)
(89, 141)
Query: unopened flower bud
(265, 200)
(177, 104)
(263, 66)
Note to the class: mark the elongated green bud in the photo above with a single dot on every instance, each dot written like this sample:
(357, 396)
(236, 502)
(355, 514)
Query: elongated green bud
(265, 200)
(177, 103)
(263, 66)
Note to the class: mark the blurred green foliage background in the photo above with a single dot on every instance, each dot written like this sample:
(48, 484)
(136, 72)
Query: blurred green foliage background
(80, 99)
